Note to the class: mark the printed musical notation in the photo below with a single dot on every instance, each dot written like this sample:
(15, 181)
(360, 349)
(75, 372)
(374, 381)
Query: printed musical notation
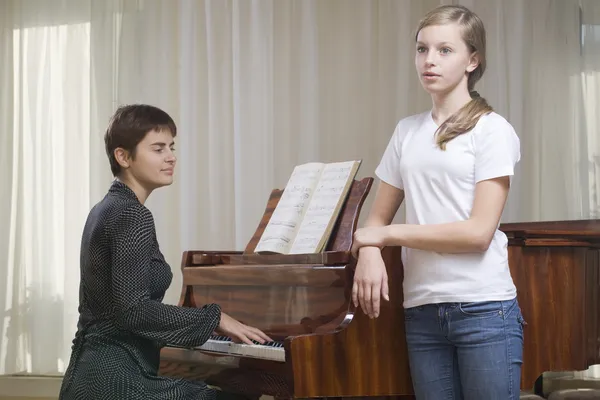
(285, 221)
(308, 208)
(323, 204)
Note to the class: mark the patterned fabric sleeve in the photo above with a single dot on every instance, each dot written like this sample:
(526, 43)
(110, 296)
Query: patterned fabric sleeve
(132, 241)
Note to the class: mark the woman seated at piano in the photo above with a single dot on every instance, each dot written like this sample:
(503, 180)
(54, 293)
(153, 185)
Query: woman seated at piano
(452, 165)
(123, 323)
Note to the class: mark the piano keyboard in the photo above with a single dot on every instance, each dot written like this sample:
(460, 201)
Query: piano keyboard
(223, 345)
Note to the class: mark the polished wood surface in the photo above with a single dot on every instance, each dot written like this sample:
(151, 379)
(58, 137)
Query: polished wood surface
(279, 303)
(555, 269)
(303, 301)
(332, 350)
(369, 357)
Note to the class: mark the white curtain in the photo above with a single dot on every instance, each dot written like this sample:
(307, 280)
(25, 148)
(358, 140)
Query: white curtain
(255, 87)
(587, 79)
(45, 176)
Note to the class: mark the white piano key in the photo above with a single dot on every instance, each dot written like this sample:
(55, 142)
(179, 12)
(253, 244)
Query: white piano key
(241, 349)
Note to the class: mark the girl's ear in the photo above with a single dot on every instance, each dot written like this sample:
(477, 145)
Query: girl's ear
(473, 62)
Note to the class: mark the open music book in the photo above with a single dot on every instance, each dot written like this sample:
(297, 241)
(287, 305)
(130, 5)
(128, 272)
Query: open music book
(310, 204)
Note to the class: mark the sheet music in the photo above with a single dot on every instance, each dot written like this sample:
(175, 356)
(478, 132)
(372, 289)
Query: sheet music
(285, 221)
(323, 204)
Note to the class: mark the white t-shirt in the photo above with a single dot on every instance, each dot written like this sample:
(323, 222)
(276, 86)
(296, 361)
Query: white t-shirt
(439, 187)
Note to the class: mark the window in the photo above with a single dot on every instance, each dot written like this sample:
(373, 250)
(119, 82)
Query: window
(49, 195)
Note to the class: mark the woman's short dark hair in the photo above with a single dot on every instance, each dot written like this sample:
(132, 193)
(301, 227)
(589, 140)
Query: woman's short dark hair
(128, 127)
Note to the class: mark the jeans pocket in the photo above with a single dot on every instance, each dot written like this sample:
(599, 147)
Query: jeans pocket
(481, 309)
(412, 312)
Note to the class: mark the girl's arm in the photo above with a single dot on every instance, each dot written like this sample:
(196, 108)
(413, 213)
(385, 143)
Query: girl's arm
(370, 278)
(472, 235)
(385, 205)
(497, 150)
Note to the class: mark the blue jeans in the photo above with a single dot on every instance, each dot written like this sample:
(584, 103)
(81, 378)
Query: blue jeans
(465, 351)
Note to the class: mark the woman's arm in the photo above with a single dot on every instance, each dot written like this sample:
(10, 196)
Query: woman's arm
(472, 235)
(132, 245)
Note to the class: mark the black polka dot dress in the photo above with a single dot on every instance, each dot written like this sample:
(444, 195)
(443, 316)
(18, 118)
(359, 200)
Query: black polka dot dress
(123, 323)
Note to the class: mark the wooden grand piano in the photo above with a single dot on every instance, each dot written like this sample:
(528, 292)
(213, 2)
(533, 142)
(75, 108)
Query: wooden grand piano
(325, 348)
(322, 348)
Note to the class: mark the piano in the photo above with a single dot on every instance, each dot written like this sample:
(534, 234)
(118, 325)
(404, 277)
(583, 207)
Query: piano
(324, 347)
(556, 269)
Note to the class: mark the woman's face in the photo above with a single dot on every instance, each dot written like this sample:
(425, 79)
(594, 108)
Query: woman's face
(153, 164)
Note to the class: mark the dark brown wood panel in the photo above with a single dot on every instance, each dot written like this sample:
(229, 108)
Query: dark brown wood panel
(555, 269)
(263, 275)
(368, 357)
(280, 311)
(550, 283)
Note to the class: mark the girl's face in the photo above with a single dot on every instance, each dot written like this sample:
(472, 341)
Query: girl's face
(443, 59)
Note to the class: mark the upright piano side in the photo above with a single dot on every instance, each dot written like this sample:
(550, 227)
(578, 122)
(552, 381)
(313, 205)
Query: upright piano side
(555, 268)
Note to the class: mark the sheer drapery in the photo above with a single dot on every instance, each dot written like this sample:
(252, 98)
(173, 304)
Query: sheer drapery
(46, 180)
(587, 80)
(255, 87)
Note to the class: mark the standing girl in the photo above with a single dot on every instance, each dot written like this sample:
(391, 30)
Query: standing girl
(452, 165)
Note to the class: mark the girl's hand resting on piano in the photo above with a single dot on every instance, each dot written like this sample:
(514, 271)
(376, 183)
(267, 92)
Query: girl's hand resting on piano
(370, 281)
(239, 332)
(375, 236)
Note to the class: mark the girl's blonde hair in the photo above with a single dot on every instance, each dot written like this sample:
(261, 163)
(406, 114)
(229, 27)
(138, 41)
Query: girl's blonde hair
(473, 34)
